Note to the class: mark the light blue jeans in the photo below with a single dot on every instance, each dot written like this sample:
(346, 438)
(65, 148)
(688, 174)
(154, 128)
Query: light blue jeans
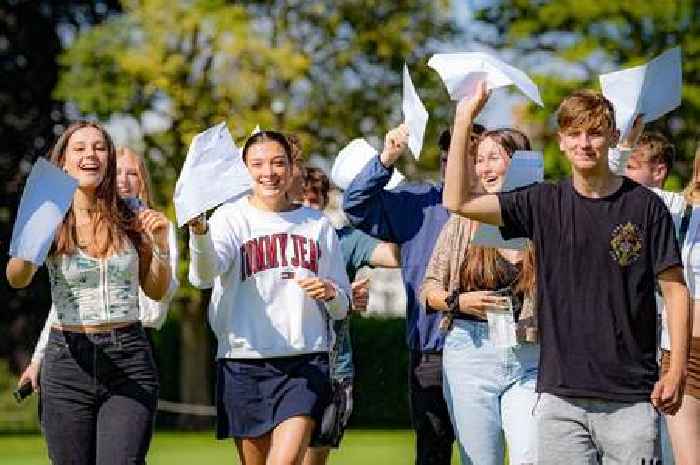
(490, 393)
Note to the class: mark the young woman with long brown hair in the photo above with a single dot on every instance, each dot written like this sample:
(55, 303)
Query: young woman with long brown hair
(489, 386)
(99, 385)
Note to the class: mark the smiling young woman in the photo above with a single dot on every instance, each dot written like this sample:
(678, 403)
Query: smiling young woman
(278, 277)
(103, 252)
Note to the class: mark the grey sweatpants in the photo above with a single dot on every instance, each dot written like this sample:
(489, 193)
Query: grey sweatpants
(580, 431)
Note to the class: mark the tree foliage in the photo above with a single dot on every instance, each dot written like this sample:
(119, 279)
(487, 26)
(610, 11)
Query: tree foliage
(587, 38)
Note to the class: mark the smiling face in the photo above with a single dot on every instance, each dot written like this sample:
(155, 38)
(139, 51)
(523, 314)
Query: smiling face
(491, 165)
(269, 169)
(587, 148)
(129, 181)
(86, 157)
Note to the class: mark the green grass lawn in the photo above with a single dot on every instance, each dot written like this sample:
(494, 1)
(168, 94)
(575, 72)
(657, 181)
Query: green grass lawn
(174, 448)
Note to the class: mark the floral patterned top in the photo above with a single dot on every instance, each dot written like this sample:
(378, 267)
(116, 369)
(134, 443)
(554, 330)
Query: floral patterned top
(89, 290)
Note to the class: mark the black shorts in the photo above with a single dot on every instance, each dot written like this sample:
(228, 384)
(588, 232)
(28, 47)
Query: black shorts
(336, 416)
(253, 396)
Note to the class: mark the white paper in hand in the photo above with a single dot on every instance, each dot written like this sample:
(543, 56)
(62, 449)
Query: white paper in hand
(46, 198)
(414, 113)
(352, 159)
(526, 167)
(653, 89)
(462, 71)
(213, 173)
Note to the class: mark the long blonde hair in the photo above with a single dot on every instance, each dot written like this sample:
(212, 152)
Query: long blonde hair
(692, 189)
(145, 190)
(113, 223)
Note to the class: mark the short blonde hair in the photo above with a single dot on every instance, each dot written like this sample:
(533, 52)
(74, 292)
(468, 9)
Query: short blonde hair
(586, 109)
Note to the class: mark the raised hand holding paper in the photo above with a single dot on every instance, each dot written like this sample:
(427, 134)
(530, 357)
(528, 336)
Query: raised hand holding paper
(526, 167)
(213, 173)
(462, 71)
(414, 113)
(352, 159)
(653, 89)
(46, 198)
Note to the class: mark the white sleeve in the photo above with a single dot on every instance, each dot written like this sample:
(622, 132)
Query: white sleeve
(153, 313)
(213, 252)
(617, 159)
(43, 341)
(332, 267)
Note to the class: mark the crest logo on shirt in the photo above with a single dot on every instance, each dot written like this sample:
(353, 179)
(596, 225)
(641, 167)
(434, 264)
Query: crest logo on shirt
(626, 244)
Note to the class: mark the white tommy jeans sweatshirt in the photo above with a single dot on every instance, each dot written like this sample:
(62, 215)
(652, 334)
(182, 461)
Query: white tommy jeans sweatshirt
(251, 257)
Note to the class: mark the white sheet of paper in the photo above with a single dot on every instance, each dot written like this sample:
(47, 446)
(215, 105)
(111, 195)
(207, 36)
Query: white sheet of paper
(462, 71)
(652, 89)
(527, 167)
(352, 159)
(47, 196)
(414, 113)
(212, 174)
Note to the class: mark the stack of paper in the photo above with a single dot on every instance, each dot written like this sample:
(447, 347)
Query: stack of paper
(352, 159)
(653, 89)
(462, 71)
(213, 173)
(415, 114)
(526, 167)
(46, 198)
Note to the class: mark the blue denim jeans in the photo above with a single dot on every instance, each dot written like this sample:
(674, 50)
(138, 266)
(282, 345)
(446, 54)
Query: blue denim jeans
(98, 397)
(490, 394)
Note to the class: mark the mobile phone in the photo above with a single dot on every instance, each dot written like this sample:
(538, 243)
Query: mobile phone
(23, 392)
(135, 204)
(287, 275)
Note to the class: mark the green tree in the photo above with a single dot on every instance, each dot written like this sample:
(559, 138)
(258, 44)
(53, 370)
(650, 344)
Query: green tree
(588, 38)
(327, 70)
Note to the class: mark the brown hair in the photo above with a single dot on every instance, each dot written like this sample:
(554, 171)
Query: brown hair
(692, 189)
(655, 148)
(268, 136)
(586, 109)
(316, 180)
(113, 223)
(295, 145)
(145, 191)
(481, 270)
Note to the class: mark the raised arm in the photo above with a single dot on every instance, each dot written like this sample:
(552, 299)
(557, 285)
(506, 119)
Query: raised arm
(205, 262)
(368, 206)
(618, 156)
(459, 195)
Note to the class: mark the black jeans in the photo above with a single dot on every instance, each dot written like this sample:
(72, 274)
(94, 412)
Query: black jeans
(429, 414)
(99, 394)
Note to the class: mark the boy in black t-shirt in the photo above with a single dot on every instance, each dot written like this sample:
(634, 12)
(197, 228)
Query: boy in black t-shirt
(601, 242)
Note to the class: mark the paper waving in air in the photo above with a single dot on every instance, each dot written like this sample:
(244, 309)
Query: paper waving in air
(46, 198)
(352, 159)
(653, 89)
(414, 113)
(213, 173)
(462, 71)
(526, 167)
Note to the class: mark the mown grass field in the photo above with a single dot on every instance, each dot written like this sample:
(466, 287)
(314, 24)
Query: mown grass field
(359, 447)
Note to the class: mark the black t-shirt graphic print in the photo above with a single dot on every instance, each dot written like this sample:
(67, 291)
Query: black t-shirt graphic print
(597, 261)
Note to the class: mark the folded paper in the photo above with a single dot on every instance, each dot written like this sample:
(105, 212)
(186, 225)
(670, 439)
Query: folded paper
(47, 197)
(653, 89)
(462, 71)
(213, 173)
(352, 159)
(414, 113)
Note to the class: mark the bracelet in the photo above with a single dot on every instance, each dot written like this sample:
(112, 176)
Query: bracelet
(164, 256)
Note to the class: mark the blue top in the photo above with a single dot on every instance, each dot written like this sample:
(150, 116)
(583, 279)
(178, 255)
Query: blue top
(357, 248)
(411, 216)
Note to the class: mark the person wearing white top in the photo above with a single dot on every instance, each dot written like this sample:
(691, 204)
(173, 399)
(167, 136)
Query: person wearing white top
(133, 181)
(648, 161)
(278, 278)
(103, 252)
